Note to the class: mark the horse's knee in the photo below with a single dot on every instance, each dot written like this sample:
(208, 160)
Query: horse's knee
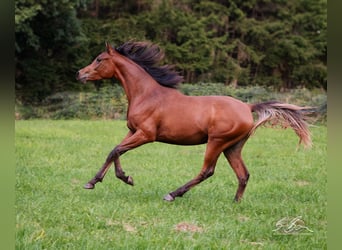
(210, 172)
(207, 173)
(247, 177)
(112, 155)
(115, 153)
(243, 180)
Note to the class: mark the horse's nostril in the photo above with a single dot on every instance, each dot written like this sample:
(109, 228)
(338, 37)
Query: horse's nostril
(77, 74)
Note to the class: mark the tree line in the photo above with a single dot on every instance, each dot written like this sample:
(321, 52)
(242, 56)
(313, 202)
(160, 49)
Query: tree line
(279, 43)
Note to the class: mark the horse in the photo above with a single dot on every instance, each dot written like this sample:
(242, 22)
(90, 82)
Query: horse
(158, 111)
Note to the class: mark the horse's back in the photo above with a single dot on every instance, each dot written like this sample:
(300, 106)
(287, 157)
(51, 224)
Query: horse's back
(220, 108)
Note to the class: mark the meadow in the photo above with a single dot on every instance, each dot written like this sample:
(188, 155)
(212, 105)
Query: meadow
(55, 158)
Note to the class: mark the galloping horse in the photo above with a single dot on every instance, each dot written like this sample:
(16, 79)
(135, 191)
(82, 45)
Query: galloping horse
(157, 111)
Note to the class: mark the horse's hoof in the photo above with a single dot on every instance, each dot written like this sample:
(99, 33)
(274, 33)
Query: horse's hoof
(130, 181)
(89, 186)
(168, 197)
(237, 200)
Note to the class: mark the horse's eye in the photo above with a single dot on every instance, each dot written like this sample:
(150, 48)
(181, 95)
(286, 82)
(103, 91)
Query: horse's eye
(98, 60)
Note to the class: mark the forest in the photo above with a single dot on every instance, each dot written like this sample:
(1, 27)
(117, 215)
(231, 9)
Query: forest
(274, 43)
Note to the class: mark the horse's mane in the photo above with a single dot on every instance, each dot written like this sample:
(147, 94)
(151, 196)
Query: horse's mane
(148, 56)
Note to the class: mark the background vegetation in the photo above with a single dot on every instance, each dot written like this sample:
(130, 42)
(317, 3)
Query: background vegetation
(279, 44)
(110, 102)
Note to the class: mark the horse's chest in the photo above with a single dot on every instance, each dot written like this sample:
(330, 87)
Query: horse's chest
(139, 120)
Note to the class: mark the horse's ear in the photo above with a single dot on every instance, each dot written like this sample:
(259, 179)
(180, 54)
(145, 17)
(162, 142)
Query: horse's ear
(109, 48)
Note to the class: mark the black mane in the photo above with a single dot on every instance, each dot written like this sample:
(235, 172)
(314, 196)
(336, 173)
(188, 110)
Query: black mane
(147, 56)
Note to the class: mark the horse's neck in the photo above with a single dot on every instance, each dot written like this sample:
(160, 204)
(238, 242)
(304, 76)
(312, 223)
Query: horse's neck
(136, 82)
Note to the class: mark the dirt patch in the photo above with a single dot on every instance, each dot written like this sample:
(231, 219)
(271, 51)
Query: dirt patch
(129, 228)
(188, 227)
(75, 181)
(243, 218)
(253, 243)
(302, 183)
(126, 226)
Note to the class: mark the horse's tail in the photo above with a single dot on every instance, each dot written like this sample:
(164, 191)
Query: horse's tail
(285, 115)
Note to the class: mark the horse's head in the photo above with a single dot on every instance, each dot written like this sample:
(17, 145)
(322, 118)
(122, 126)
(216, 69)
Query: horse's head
(100, 68)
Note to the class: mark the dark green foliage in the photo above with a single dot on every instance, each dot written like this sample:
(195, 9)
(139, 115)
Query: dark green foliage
(110, 102)
(238, 43)
(47, 35)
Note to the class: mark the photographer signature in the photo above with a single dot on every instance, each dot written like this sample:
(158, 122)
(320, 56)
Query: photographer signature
(291, 226)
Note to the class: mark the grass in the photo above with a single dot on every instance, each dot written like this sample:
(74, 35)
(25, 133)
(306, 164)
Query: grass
(55, 158)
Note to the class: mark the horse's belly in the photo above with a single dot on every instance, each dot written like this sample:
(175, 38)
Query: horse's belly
(182, 137)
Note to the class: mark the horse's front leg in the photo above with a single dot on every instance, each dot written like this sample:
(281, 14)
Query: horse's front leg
(131, 141)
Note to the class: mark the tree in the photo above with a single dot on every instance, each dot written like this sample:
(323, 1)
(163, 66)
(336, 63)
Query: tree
(46, 36)
(279, 43)
(292, 38)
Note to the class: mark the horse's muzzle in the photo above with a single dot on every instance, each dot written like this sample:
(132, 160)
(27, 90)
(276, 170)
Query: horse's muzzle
(81, 77)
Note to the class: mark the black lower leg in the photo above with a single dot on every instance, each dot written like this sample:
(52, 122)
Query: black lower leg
(183, 189)
(102, 172)
(119, 173)
(241, 188)
(97, 178)
(177, 193)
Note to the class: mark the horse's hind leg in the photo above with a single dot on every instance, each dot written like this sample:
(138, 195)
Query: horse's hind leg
(211, 155)
(233, 155)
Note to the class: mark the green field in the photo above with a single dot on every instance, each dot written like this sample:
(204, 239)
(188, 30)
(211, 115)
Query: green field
(54, 159)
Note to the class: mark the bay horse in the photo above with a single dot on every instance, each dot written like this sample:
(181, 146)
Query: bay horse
(157, 111)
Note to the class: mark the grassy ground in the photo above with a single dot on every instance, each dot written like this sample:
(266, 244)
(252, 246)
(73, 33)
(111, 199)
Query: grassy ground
(55, 158)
